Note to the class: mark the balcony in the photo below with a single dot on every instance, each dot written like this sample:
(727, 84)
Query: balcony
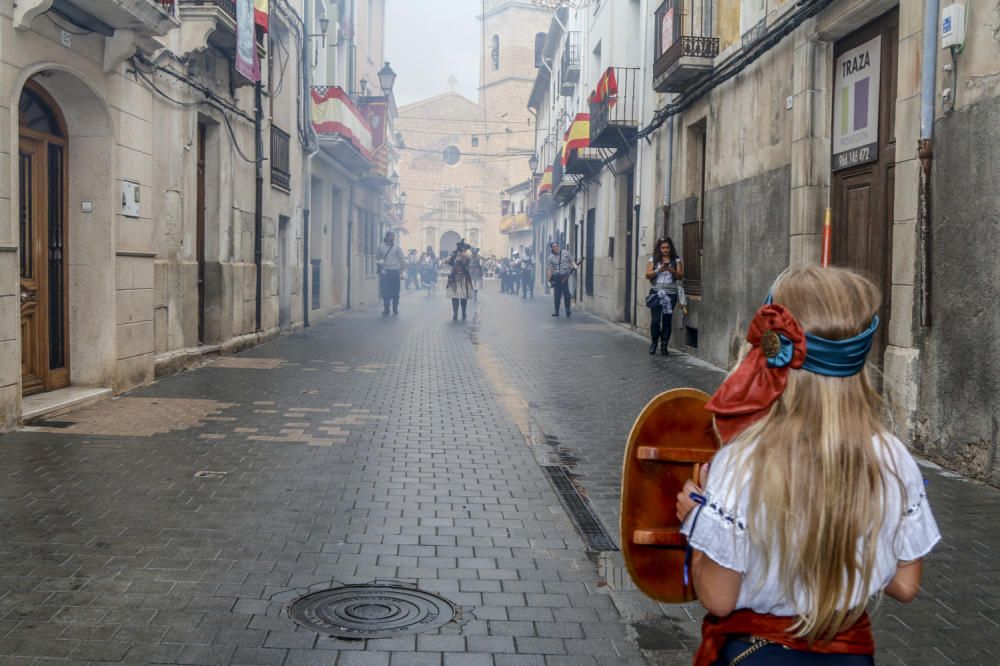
(569, 70)
(685, 48)
(344, 133)
(564, 186)
(207, 22)
(511, 224)
(145, 18)
(614, 108)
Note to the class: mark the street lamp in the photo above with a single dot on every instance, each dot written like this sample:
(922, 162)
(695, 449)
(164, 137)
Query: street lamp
(400, 206)
(533, 163)
(386, 79)
(324, 23)
(394, 181)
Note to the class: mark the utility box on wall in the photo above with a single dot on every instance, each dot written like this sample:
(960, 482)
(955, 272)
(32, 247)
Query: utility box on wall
(953, 26)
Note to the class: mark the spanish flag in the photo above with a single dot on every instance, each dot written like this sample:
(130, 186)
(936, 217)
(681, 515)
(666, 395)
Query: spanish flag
(577, 136)
(546, 184)
(261, 13)
(607, 88)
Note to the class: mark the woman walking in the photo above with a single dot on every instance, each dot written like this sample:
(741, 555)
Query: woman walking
(460, 280)
(476, 273)
(664, 270)
(429, 271)
(813, 507)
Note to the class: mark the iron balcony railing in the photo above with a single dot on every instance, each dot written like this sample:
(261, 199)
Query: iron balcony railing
(683, 29)
(281, 175)
(169, 6)
(228, 6)
(614, 108)
(569, 70)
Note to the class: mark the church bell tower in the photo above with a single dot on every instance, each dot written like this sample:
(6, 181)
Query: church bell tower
(512, 32)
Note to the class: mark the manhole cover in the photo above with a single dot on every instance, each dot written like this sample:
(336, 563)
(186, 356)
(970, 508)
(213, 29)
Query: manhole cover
(371, 611)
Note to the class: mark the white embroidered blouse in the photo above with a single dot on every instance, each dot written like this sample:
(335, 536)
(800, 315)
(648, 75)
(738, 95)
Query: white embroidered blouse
(720, 530)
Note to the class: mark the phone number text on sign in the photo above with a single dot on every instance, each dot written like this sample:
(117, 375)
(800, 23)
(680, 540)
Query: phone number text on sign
(854, 157)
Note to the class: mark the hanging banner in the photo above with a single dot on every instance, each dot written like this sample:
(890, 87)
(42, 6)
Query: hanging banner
(247, 62)
(376, 112)
(667, 28)
(855, 105)
(334, 113)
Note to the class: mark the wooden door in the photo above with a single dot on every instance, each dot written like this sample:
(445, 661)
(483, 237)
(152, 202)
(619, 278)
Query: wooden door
(43, 266)
(862, 196)
(31, 177)
(629, 235)
(43, 236)
(591, 247)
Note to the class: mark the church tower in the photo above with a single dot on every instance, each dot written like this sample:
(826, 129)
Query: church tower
(512, 34)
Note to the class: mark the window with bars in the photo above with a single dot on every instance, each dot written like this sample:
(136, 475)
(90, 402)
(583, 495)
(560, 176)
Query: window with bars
(281, 176)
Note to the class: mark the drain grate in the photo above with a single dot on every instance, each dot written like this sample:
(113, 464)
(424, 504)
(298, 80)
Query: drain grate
(371, 611)
(54, 424)
(580, 512)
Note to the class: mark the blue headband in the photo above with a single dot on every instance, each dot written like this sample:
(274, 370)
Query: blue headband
(834, 358)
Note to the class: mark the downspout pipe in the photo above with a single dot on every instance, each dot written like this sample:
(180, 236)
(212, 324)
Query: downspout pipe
(258, 214)
(312, 148)
(925, 151)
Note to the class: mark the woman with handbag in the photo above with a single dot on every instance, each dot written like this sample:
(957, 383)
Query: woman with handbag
(664, 271)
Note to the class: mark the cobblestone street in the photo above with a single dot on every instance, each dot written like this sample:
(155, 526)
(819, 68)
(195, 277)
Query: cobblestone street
(174, 524)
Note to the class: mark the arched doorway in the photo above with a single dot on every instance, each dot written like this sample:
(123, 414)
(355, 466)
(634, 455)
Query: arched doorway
(43, 236)
(448, 243)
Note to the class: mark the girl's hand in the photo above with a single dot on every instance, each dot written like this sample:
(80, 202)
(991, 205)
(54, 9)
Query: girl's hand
(684, 501)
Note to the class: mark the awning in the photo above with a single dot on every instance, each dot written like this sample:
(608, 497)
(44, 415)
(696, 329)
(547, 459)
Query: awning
(334, 113)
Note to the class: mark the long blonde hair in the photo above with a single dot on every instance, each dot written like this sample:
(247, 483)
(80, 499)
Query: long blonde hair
(812, 465)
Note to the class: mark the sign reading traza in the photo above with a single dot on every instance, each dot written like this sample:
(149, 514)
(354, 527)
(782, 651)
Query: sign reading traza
(855, 105)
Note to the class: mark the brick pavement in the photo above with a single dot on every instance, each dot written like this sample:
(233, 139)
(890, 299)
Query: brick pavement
(116, 549)
(171, 525)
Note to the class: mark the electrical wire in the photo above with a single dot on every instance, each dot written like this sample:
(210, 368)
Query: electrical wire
(204, 90)
(520, 153)
(275, 90)
(405, 116)
(460, 132)
(225, 118)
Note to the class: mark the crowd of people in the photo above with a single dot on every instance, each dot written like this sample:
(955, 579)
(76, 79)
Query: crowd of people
(466, 268)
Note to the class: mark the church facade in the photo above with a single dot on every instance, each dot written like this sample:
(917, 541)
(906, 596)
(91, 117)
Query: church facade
(461, 155)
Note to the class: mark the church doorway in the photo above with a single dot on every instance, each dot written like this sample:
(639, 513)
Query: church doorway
(448, 243)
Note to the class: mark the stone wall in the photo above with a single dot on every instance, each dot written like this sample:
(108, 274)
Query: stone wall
(959, 417)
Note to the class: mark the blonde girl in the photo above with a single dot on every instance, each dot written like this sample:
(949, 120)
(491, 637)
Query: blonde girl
(814, 506)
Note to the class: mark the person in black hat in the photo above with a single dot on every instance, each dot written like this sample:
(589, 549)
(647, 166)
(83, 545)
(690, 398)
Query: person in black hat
(460, 280)
(390, 264)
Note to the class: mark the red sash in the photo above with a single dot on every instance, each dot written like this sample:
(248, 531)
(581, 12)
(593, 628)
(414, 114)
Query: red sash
(715, 631)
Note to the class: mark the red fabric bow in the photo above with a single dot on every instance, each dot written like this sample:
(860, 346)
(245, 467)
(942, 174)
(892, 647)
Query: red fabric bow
(749, 392)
